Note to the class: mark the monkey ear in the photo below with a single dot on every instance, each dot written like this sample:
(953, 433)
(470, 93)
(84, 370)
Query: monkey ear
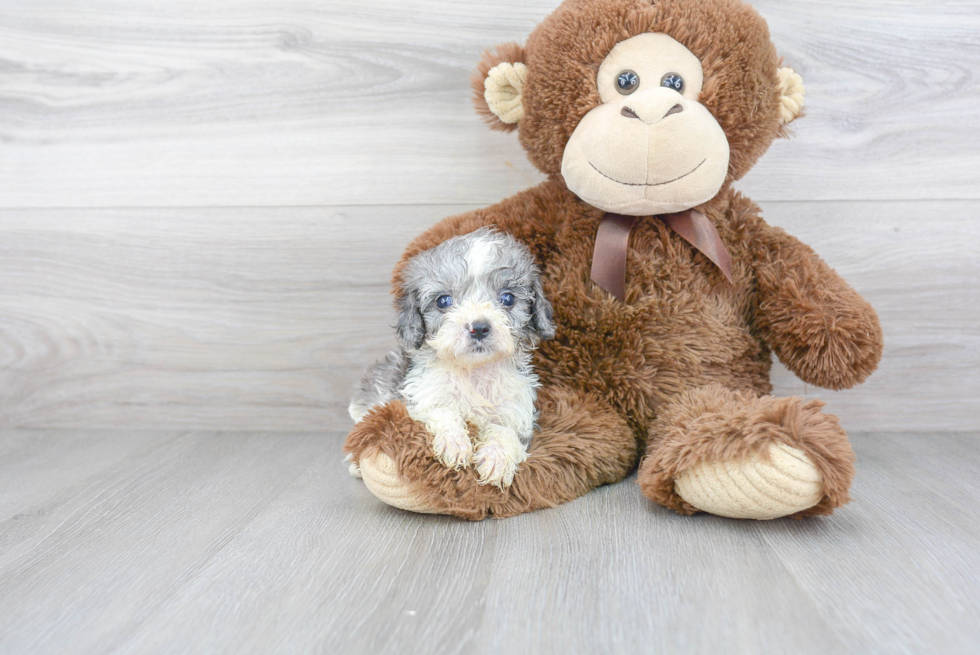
(410, 328)
(498, 86)
(791, 95)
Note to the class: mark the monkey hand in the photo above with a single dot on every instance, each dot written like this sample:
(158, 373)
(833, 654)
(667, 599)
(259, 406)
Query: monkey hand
(817, 325)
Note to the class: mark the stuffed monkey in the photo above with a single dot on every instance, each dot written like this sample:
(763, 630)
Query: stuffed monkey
(670, 292)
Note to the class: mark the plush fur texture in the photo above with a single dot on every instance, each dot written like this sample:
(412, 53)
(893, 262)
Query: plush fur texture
(511, 53)
(679, 372)
(700, 425)
(573, 425)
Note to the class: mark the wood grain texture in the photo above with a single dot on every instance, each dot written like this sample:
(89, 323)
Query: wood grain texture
(258, 103)
(261, 542)
(120, 542)
(264, 318)
(65, 458)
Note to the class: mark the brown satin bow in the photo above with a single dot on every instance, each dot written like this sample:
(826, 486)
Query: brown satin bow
(612, 238)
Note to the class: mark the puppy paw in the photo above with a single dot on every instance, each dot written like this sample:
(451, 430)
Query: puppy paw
(453, 448)
(496, 464)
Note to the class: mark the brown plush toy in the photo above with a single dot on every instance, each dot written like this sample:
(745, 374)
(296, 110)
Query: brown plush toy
(670, 292)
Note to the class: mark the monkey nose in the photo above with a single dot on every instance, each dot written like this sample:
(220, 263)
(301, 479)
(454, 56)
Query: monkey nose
(479, 331)
(629, 112)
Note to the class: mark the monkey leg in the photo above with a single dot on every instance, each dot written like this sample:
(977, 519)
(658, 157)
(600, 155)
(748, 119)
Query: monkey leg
(745, 456)
(581, 444)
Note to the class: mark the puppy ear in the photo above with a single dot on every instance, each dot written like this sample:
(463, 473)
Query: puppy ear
(791, 95)
(498, 86)
(542, 320)
(410, 329)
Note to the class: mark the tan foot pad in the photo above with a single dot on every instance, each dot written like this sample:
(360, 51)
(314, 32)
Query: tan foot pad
(753, 489)
(381, 478)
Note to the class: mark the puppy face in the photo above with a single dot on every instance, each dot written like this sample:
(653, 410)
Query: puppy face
(473, 299)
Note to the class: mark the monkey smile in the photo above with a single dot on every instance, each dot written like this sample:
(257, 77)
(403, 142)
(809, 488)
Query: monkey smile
(641, 184)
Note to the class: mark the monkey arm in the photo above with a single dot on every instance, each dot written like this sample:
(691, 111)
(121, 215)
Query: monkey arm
(818, 326)
(582, 443)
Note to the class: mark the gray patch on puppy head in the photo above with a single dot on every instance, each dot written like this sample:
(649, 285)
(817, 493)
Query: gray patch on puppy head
(478, 266)
(409, 326)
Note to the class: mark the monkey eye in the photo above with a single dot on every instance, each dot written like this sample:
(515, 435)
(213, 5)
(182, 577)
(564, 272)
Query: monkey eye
(673, 81)
(507, 299)
(444, 302)
(627, 81)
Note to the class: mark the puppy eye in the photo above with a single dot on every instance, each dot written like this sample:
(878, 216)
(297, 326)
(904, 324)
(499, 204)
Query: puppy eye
(444, 302)
(627, 81)
(507, 299)
(673, 81)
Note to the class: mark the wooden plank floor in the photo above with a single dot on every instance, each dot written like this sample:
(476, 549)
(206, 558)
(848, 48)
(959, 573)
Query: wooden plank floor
(186, 542)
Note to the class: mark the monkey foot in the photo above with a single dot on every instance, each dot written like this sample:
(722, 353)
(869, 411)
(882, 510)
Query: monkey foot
(743, 456)
(381, 477)
(754, 488)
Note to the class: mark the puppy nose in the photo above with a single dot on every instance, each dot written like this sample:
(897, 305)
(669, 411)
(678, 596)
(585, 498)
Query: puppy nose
(479, 331)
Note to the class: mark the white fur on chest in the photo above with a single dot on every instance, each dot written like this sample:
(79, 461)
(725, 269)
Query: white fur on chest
(499, 393)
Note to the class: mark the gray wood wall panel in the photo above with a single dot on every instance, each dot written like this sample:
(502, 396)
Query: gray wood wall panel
(300, 145)
(263, 318)
(315, 102)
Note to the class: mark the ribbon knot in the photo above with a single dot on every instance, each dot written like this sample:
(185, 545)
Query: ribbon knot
(612, 239)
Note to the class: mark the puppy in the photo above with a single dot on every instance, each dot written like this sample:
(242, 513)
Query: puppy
(471, 312)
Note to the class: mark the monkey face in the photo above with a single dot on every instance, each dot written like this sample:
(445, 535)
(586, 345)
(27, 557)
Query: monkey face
(650, 147)
(642, 107)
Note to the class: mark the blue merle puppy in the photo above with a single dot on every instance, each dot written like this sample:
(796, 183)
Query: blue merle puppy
(471, 312)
